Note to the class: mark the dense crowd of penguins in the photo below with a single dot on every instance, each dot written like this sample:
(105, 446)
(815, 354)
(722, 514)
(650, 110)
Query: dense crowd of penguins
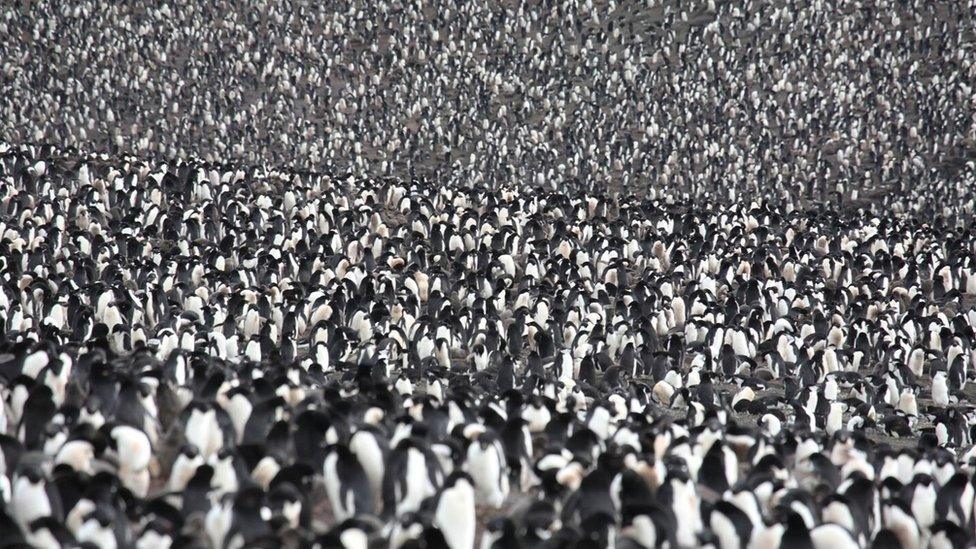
(811, 97)
(201, 354)
(488, 274)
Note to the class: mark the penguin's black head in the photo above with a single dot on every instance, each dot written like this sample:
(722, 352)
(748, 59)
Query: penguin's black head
(296, 475)
(540, 515)
(101, 515)
(104, 434)
(485, 440)
(32, 473)
(785, 515)
(250, 499)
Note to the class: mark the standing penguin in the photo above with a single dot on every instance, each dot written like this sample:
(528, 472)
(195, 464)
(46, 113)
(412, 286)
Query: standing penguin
(135, 454)
(455, 513)
(731, 526)
(97, 530)
(346, 483)
(940, 390)
(413, 473)
(485, 462)
(31, 498)
(247, 526)
(371, 448)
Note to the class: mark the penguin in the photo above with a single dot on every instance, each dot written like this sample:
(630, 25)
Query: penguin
(184, 467)
(500, 532)
(97, 529)
(347, 484)
(486, 463)
(289, 508)
(731, 526)
(134, 452)
(202, 429)
(246, 524)
(455, 512)
(32, 498)
(370, 447)
(940, 390)
(610, 290)
(412, 474)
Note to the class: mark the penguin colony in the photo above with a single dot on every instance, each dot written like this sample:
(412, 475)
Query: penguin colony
(488, 275)
(808, 97)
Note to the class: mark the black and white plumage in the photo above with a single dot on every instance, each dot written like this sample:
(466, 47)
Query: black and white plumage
(572, 273)
(347, 484)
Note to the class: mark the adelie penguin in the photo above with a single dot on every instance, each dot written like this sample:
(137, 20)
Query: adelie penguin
(525, 268)
(485, 462)
(455, 513)
(347, 484)
(412, 474)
